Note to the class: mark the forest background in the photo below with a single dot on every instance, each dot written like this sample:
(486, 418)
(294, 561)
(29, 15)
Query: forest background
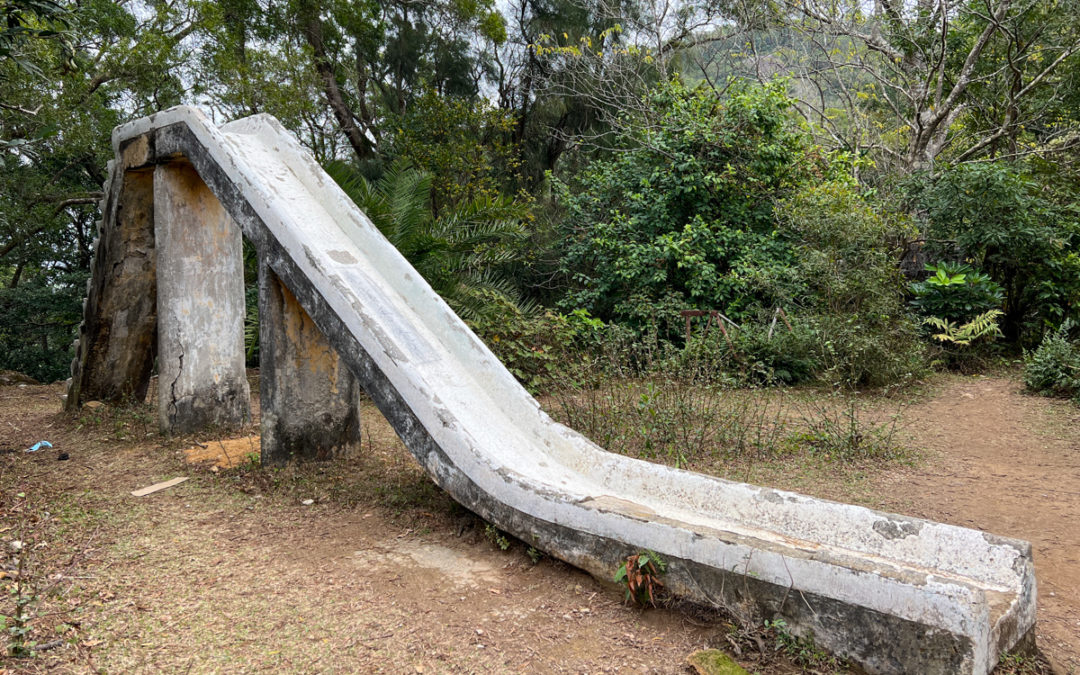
(863, 191)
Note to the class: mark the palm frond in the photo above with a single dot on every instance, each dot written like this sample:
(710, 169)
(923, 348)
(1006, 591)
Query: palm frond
(363, 193)
(408, 195)
(482, 219)
(459, 252)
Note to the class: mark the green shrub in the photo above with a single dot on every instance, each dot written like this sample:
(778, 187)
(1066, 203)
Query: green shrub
(967, 347)
(956, 292)
(867, 350)
(540, 350)
(723, 204)
(38, 319)
(1003, 221)
(852, 297)
(1054, 368)
(641, 573)
(842, 350)
(760, 352)
(961, 310)
(683, 216)
(787, 357)
(836, 350)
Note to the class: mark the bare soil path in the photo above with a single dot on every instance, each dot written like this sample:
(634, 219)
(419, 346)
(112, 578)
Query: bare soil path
(233, 572)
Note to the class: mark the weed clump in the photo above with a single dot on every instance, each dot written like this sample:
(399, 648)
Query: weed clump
(640, 573)
(802, 650)
(837, 427)
(497, 537)
(1054, 368)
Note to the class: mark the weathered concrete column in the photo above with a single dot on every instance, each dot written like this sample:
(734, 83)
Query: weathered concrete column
(200, 298)
(308, 397)
(116, 339)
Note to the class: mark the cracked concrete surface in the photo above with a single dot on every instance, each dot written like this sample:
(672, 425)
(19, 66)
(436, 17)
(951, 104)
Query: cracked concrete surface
(200, 305)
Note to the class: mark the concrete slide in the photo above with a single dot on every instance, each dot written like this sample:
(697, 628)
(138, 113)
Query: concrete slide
(892, 593)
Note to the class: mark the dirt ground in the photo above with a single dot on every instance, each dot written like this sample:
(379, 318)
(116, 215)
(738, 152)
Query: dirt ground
(1007, 463)
(236, 571)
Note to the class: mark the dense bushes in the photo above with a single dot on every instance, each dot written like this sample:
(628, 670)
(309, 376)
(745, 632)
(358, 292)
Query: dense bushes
(1054, 368)
(698, 200)
(682, 216)
(851, 297)
(1005, 223)
(541, 350)
(768, 353)
(724, 204)
(40, 315)
(846, 323)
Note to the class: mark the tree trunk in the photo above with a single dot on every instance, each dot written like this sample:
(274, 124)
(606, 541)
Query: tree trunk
(14, 283)
(313, 33)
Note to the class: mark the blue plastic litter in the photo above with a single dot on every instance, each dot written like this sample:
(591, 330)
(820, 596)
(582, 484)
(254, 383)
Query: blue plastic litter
(39, 445)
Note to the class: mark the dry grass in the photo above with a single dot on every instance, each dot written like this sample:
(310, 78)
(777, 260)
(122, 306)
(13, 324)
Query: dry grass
(799, 439)
(231, 572)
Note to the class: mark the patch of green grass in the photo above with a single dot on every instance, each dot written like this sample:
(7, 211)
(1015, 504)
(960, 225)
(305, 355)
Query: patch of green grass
(802, 651)
(1021, 664)
(497, 537)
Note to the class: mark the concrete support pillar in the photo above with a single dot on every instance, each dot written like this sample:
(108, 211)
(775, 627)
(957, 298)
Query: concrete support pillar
(116, 339)
(308, 397)
(200, 302)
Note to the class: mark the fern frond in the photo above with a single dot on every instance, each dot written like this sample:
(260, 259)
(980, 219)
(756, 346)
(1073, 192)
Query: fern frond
(984, 325)
(939, 323)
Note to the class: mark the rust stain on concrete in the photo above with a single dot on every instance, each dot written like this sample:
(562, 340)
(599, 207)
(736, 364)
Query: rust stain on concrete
(312, 351)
